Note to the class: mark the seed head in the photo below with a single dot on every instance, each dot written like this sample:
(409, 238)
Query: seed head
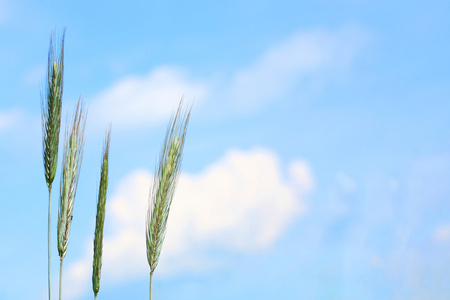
(165, 181)
(100, 220)
(51, 103)
(73, 155)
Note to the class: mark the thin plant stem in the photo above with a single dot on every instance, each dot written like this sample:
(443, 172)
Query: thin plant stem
(49, 241)
(151, 282)
(60, 277)
(51, 100)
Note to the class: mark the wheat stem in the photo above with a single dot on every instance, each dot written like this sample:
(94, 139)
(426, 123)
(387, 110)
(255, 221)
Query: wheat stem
(163, 188)
(51, 101)
(49, 240)
(100, 219)
(60, 276)
(73, 154)
(151, 282)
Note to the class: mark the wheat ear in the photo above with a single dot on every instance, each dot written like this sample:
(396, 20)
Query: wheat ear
(51, 103)
(163, 188)
(73, 154)
(100, 220)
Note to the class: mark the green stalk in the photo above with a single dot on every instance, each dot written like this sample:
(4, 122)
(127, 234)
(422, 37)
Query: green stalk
(100, 219)
(163, 188)
(151, 279)
(60, 276)
(73, 154)
(49, 236)
(51, 102)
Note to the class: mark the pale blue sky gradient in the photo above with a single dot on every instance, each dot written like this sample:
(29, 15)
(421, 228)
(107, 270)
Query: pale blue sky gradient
(317, 163)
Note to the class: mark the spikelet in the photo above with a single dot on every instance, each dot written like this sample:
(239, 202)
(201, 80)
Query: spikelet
(100, 220)
(73, 154)
(51, 111)
(163, 188)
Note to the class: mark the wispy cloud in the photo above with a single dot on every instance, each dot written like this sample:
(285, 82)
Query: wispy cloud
(241, 203)
(300, 60)
(305, 60)
(145, 100)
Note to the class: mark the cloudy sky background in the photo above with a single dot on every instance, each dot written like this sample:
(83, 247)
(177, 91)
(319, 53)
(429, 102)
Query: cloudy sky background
(317, 162)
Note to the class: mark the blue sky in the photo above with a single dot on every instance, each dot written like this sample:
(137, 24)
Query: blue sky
(317, 162)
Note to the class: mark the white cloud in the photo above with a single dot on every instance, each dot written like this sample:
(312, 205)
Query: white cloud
(306, 55)
(143, 101)
(442, 233)
(241, 203)
(304, 60)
